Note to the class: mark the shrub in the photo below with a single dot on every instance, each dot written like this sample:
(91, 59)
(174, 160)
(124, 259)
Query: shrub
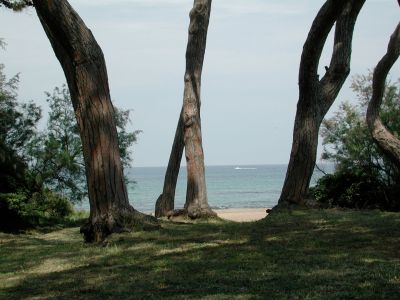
(19, 211)
(360, 191)
(364, 177)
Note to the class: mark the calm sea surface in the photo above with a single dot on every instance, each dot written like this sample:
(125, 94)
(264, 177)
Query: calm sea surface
(227, 186)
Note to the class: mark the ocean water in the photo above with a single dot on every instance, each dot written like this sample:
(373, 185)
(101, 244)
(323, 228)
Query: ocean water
(227, 186)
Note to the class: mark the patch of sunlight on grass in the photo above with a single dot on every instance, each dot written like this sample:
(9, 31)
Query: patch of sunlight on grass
(371, 260)
(273, 239)
(197, 246)
(360, 229)
(319, 222)
(395, 280)
(52, 265)
(328, 273)
(69, 234)
(141, 247)
(113, 249)
(306, 254)
(338, 256)
(366, 284)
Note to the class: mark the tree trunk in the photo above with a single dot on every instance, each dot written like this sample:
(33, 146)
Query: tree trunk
(84, 66)
(189, 126)
(196, 204)
(302, 158)
(386, 141)
(165, 202)
(316, 95)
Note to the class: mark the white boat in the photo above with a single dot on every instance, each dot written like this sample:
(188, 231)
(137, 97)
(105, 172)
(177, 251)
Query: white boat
(239, 168)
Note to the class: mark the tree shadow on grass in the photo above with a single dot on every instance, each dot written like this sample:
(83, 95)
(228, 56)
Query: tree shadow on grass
(299, 255)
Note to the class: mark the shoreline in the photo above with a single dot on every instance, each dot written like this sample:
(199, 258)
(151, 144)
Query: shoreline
(232, 214)
(241, 214)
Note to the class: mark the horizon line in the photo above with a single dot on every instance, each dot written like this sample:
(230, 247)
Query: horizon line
(230, 165)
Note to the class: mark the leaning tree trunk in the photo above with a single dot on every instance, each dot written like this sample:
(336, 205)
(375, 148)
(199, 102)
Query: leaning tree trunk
(165, 202)
(84, 66)
(386, 141)
(316, 95)
(196, 204)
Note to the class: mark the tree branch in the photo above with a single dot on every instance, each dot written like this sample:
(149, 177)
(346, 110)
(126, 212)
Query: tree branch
(316, 39)
(339, 67)
(388, 142)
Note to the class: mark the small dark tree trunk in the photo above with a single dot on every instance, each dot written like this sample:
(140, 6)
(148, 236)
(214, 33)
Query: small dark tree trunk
(316, 95)
(165, 202)
(84, 66)
(389, 143)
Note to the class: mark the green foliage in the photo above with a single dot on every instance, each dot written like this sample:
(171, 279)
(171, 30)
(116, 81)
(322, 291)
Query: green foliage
(17, 129)
(364, 177)
(57, 158)
(56, 153)
(125, 138)
(39, 171)
(16, 5)
(23, 210)
(352, 190)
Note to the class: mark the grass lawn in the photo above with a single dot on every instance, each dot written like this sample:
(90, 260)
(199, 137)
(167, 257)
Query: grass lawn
(314, 254)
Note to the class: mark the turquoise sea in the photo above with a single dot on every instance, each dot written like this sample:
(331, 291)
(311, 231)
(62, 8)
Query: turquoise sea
(228, 186)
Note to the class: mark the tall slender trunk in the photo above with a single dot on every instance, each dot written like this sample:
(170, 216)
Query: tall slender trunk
(196, 204)
(389, 143)
(189, 125)
(316, 95)
(85, 69)
(165, 202)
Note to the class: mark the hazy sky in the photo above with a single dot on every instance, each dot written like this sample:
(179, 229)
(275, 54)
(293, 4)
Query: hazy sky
(249, 85)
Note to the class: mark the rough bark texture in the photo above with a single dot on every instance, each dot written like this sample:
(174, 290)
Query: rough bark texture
(389, 143)
(165, 202)
(196, 204)
(84, 66)
(317, 95)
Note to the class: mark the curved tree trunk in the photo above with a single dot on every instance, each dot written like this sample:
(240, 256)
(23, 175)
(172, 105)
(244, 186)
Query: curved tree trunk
(196, 204)
(84, 66)
(389, 143)
(317, 95)
(165, 202)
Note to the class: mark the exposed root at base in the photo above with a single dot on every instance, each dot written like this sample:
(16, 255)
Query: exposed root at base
(164, 204)
(192, 214)
(308, 203)
(117, 222)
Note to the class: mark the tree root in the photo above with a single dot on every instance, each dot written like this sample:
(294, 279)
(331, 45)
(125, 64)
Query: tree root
(308, 203)
(163, 206)
(118, 221)
(191, 214)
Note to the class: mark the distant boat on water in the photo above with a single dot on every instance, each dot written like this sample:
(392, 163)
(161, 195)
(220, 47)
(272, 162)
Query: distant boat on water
(240, 168)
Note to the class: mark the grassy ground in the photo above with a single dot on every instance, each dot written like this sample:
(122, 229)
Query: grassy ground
(302, 254)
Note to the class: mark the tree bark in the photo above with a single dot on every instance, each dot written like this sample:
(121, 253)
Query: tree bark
(386, 141)
(165, 202)
(196, 204)
(188, 134)
(316, 95)
(85, 69)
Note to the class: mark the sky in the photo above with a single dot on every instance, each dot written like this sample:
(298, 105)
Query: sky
(249, 82)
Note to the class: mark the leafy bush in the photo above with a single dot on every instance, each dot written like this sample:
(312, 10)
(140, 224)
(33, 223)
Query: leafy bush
(364, 177)
(19, 211)
(56, 153)
(360, 191)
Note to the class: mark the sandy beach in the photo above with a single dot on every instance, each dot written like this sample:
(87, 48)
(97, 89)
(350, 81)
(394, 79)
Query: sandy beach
(241, 214)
